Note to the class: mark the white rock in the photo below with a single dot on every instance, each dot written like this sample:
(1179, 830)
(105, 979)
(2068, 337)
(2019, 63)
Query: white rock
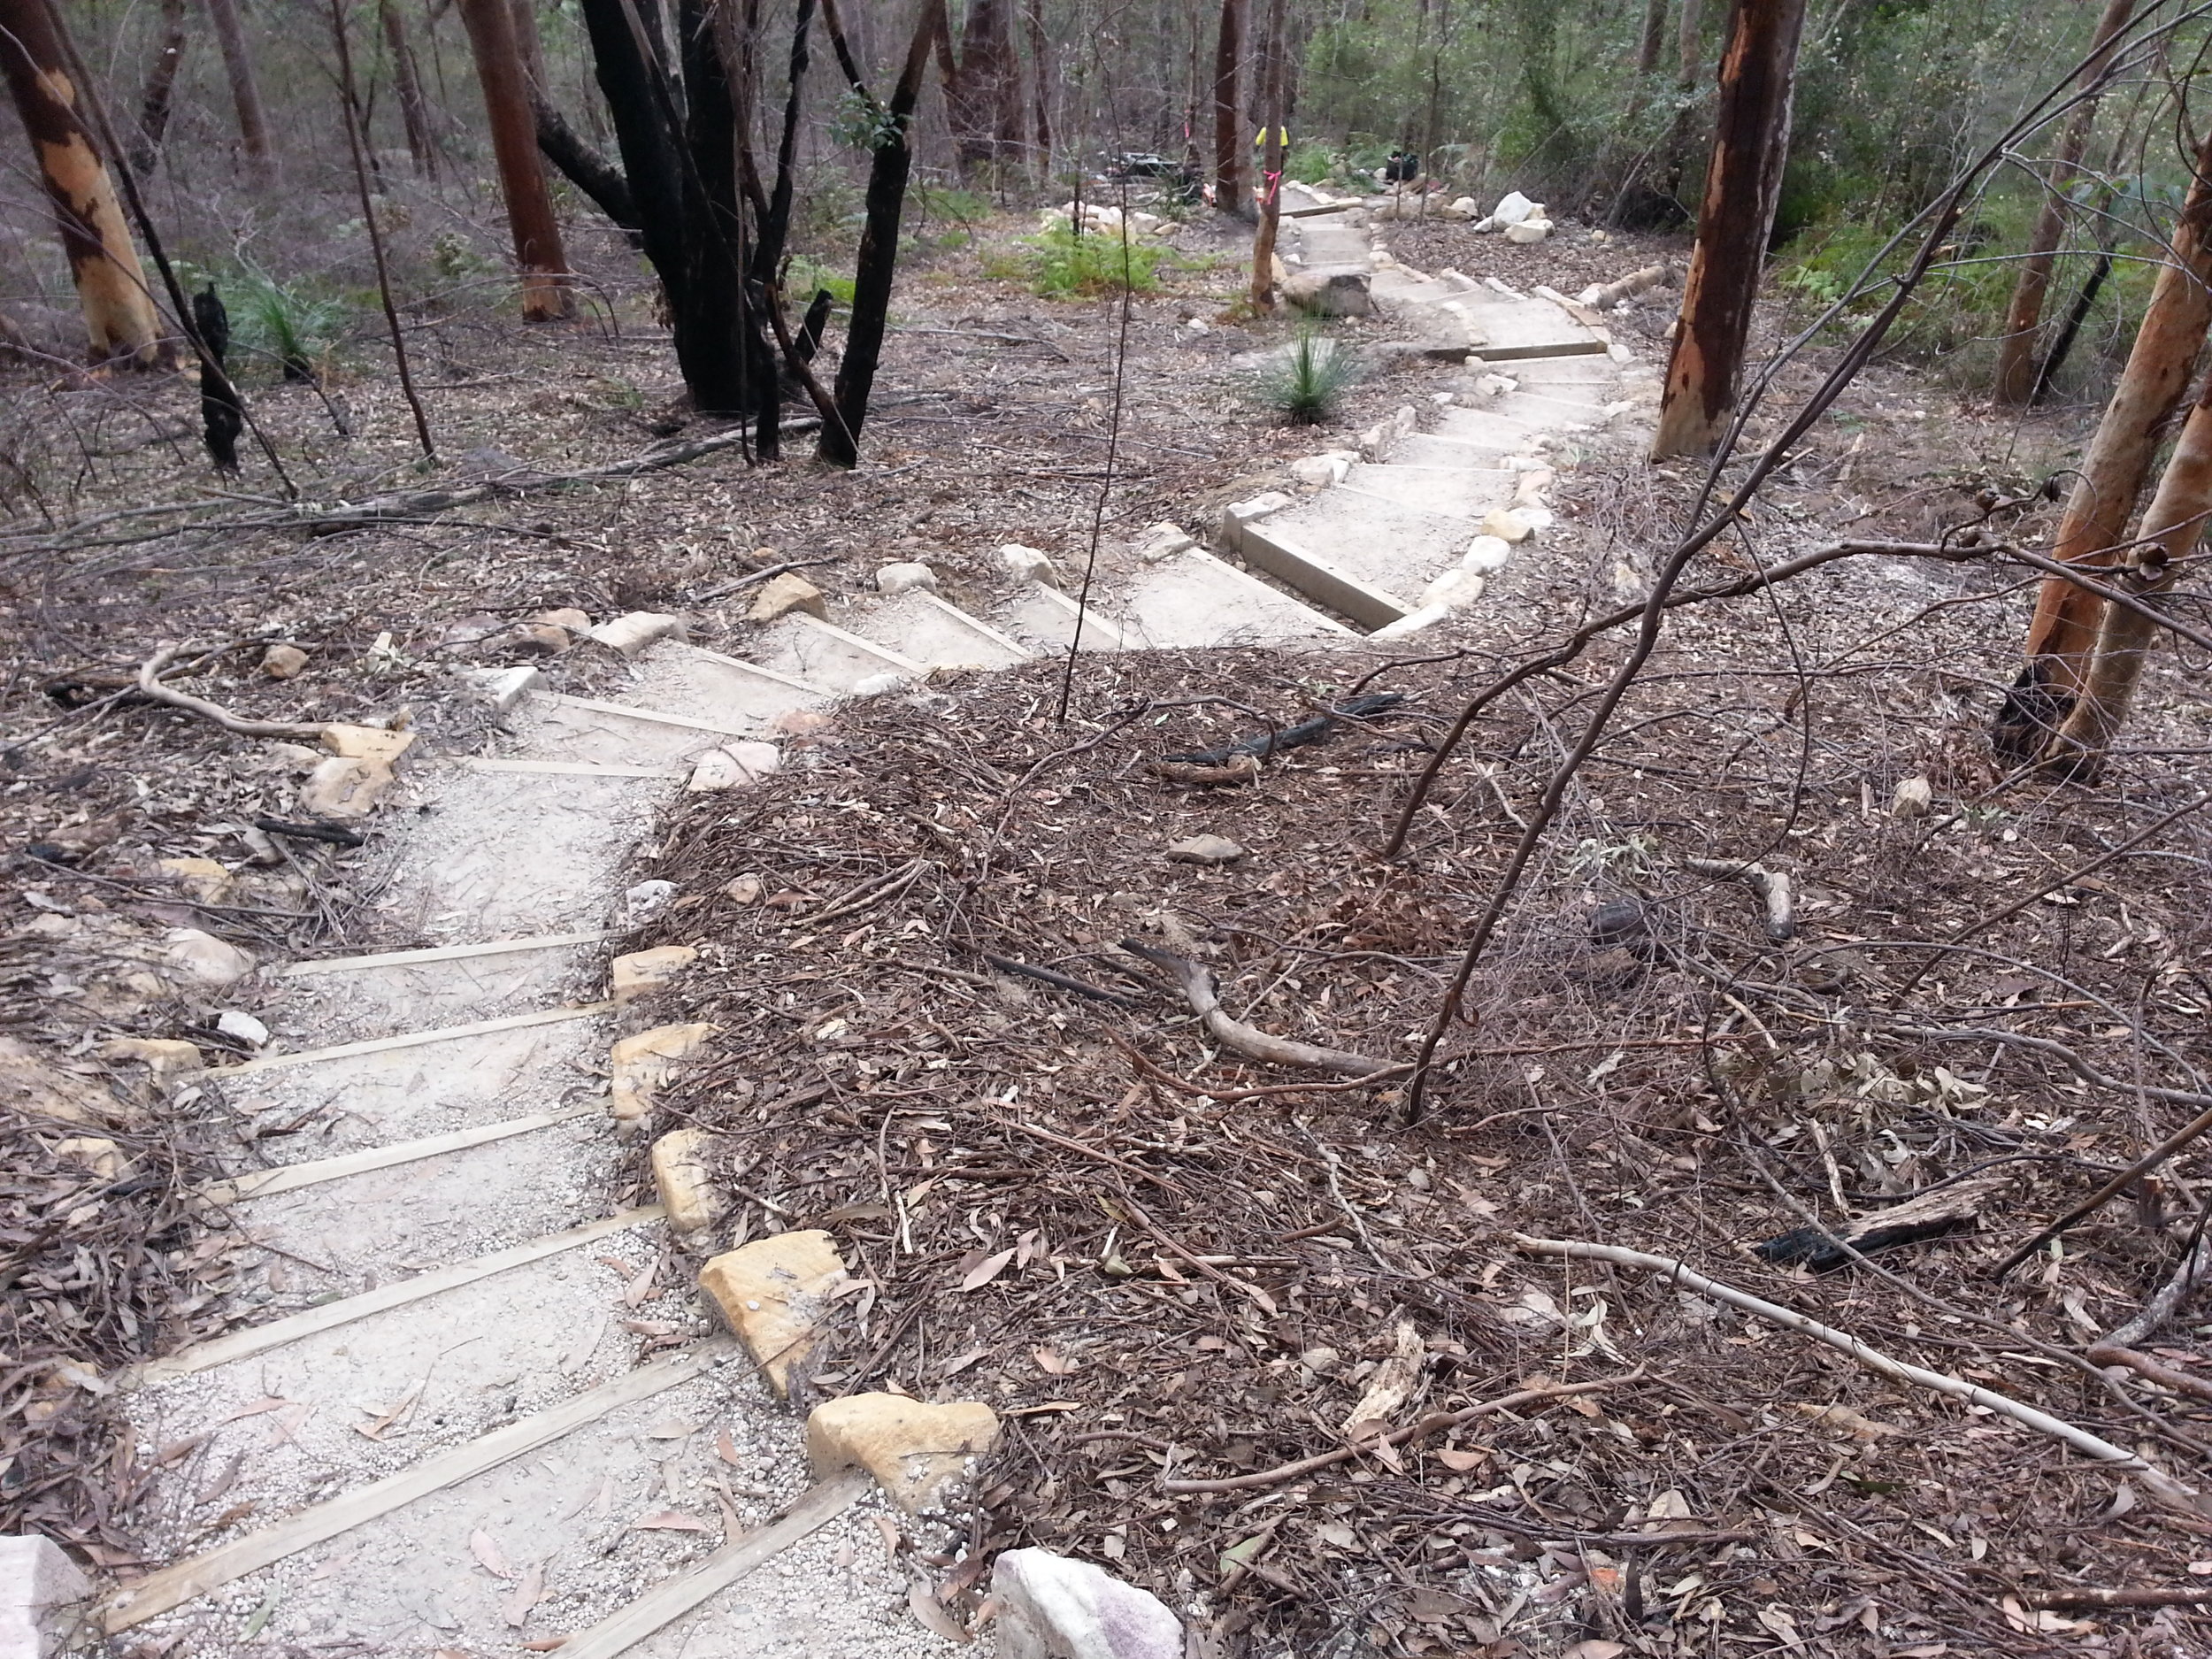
(1330, 293)
(1405, 420)
(245, 1027)
(1913, 799)
(1029, 564)
(1533, 482)
(906, 577)
(881, 684)
(39, 1587)
(734, 766)
(1495, 385)
(1319, 472)
(1528, 230)
(1052, 1607)
(504, 688)
(1513, 207)
(1509, 524)
(646, 900)
(1488, 222)
(203, 959)
(1412, 622)
(1456, 589)
(344, 786)
(1466, 207)
(1486, 555)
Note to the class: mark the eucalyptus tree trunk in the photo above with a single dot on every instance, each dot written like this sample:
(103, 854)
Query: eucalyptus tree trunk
(245, 92)
(2016, 348)
(2171, 529)
(543, 261)
(2063, 632)
(158, 97)
(1743, 186)
(119, 312)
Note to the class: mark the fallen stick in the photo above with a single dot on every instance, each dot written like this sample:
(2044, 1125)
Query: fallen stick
(1197, 983)
(1434, 1423)
(151, 687)
(2098, 1596)
(2155, 1481)
(1227, 1096)
(1603, 296)
(1060, 981)
(1771, 886)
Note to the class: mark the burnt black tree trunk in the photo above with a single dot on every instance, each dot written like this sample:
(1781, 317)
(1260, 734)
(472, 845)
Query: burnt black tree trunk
(222, 416)
(586, 168)
(684, 242)
(885, 205)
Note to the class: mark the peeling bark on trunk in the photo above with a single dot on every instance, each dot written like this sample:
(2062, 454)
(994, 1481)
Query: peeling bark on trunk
(2017, 349)
(537, 233)
(119, 313)
(1743, 185)
(159, 95)
(2151, 387)
(414, 110)
(245, 92)
(2171, 529)
(1231, 194)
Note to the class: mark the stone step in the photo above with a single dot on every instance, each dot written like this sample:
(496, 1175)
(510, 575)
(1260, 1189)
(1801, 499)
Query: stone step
(823, 654)
(1044, 618)
(1362, 557)
(1449, 490)
(386, 1563)
(1193, 599)
(923, 628)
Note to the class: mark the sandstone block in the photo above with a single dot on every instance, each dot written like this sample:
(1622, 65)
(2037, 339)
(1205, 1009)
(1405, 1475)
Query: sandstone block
(1331, 293)
(1163, 541)
(202, 879)
(503, 687)
(565, 618)
(367, 742)
(200, 958)
(1486, 555)
(283, 662)
(679, 1176)
(788, 592)
(633, 633)
(343, 786)
(40, 1590)
(907, 577)
(1205, 850)
(31, 1082)
(1528, 230)
(1914, 798)
(95, 1153)
(1413, 622)
(917, 1450)
(1508, 524)
(772, 1293)
(1052, 1607)
(1454, 589)
(643, 972)
(640, 1066)
(541, 638)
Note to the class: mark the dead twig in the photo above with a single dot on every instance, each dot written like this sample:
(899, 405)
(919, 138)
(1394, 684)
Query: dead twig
(1197, 983)
(2154, 1480)
(1226, 1096)
(1060, 981)
(1434, 1423)
(149, 687)
(1062, 1141)
(1771, 886)
(1260, 1299)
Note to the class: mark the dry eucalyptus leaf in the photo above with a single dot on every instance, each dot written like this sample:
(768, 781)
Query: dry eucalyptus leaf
(931, 1614)
(528, 1594)
(986, 1269)
(488, 1554)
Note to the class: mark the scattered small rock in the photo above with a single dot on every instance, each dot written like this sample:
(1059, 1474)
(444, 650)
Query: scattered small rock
(744, 890)
(734, 766)
(1205, 850)
(283, 662)
(1914, 798)
(367, 742)
(503, 687)
(646, 900)
(631, 634)
(202, 879)
(772, 1293)
(245, 1027)
(918, 1451)
(1052, 1607)
(1508, 524)
(785, 594)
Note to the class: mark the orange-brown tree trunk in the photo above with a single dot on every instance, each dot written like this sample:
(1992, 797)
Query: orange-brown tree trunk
(1743, 186)
(505, 83)
(245, 91)
(119, 313)
(2170, 531)
(2015, 348)
(1273, 158)
(2063, 630)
